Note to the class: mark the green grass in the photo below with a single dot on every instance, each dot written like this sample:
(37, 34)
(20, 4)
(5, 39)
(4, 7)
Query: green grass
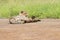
(38, 8)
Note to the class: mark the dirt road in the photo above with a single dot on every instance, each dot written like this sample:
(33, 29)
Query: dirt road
(47, 29)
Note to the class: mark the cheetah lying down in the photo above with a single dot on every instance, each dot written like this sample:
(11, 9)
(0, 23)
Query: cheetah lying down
(18, 20)
(22, 18)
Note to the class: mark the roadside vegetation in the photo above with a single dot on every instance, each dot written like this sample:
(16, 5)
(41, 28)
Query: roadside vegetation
(38, 8)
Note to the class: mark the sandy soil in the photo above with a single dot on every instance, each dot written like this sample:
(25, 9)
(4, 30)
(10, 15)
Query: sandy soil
(47, 29)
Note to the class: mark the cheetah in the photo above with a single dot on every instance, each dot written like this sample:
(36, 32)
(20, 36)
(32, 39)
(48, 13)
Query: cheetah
(22, 18)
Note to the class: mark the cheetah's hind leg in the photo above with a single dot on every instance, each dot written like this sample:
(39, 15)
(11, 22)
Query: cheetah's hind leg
(11, 20)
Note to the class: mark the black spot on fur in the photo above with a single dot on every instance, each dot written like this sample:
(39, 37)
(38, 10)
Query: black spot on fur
(33, 17)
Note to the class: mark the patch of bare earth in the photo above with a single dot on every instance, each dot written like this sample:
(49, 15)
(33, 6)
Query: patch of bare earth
(47, 29)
